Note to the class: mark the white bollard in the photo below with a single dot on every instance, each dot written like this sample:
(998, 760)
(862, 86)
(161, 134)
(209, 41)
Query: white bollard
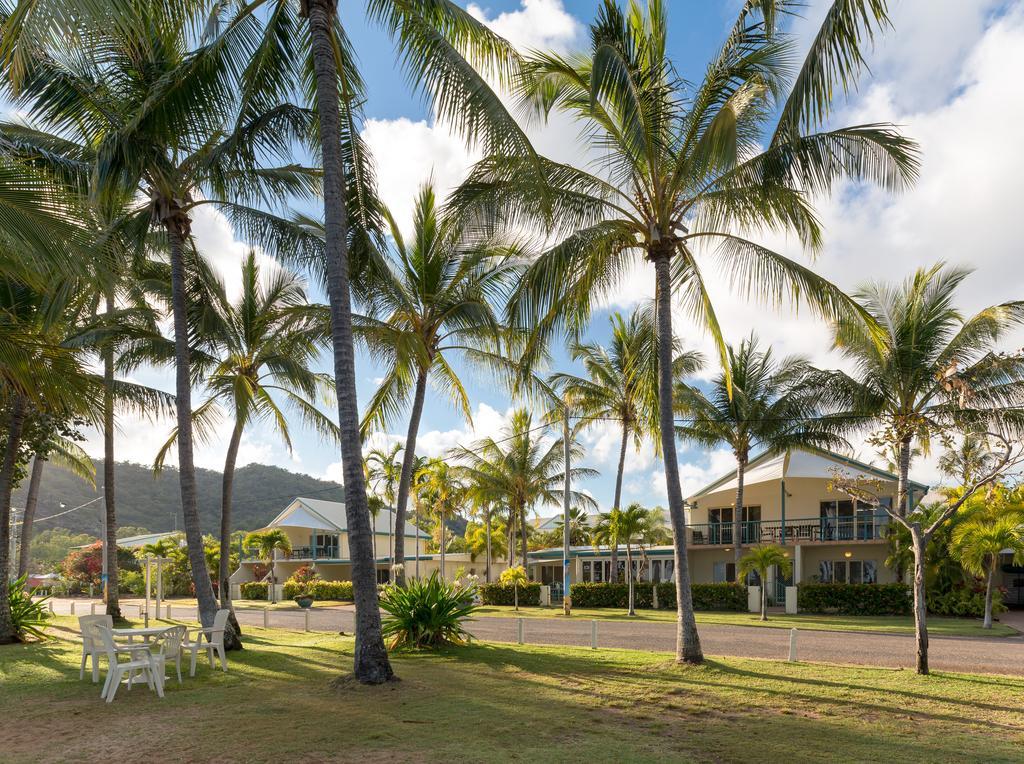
(519, 630)
(92, 608)
(266, 618)
(169, 616)
(792, 645)
(593, 635)
(51, 606)
(72, 607)
(307, 619)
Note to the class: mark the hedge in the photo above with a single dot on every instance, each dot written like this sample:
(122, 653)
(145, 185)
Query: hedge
(964, 602)
(724, 596)
(612, 595)
(500, 594)
(254, 590)
(855, 599)
(325, 590)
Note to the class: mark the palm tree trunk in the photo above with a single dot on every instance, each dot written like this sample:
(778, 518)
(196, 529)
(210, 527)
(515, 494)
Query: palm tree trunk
(14, 428)
(737, 513)
(111, 585)
(176, 230)
(920, 544)
(629, 576)
(687, 640)
(405, 481)
(613, 577)
(231, 636)
(31, 502)
(444, 576)
(987, 624)
(371, 664)
(511, 538)
(524, 543)
(764, 594)
(487, 561)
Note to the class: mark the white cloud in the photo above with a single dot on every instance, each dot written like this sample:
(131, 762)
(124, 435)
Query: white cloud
(536, 25)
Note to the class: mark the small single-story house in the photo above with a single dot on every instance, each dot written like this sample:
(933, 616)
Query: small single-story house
(137, 542)
(789, 500)
(318, 532)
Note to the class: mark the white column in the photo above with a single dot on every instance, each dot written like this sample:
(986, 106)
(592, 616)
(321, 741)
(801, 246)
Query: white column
(798, 564)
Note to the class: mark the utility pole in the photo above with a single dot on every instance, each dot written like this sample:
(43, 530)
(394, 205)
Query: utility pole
(566, 528)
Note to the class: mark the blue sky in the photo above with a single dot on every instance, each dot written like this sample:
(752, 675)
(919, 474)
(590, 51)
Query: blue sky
(949, 79)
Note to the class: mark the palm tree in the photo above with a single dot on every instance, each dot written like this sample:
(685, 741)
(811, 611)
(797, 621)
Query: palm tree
(579, 526)
(487, 539)
(439, 483)
(267, 543)
(922, 371)
(383, 473)
(760, 559)
(515, 577)
(520, 470)
(256, 353)
(606, 533)
(978, 545)
(438, 300)
(680, 171)
(177, 123)
(631, 523)
(757, 402)
(622, 385)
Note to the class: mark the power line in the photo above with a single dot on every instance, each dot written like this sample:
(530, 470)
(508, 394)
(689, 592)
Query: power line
(66, 511)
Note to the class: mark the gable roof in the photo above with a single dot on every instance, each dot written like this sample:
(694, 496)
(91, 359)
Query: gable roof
(807, 462)
(550, 523)
(330, 516)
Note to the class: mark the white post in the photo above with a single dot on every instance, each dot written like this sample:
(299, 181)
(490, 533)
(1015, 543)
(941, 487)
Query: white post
(593, 635)
(519, 630)
(307, 618)
(149, 577)
(792, 645)
(266, 618)
(169, 617)
(51, 605)
(159, 584)
(92, 608)
(72, 607)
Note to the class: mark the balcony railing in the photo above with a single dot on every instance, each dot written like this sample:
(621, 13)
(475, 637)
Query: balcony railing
(323, 552)
(799, 530)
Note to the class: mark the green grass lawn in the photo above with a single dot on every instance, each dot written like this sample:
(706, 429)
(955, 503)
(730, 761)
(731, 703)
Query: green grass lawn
(494, 702)
(937, 626)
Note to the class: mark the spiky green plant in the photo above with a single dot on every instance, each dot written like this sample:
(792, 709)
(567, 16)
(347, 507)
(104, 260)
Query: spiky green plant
(28, 611)
(426, 614)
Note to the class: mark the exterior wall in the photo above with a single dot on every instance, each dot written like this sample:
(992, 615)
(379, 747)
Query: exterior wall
(811, 555)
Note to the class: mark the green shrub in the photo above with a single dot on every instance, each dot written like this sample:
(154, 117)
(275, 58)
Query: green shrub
(329, 590)
(28, 615)
(612, 595)
(426, 613)
(254, 590)
(502, 594)
(854, 599)
(301, 582)
(132, 582)
(725, 596)
(964, 601)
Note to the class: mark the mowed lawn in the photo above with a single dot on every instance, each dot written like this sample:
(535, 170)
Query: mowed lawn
(937, 626)
(498, 703)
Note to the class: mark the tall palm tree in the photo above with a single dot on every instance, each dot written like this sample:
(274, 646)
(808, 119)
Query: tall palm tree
(622, 386)
(181, 122)
(438, 300)
(631, 524)
(255, 356)
(978, 545)
(761, 559)
(579, 526)
(681, 172)
(267, 544)
(383, 474)
(521, 470)
(923, 371)
(757, 402)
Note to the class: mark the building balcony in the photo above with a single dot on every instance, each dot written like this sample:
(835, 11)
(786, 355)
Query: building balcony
(799, 530)
(299, 553)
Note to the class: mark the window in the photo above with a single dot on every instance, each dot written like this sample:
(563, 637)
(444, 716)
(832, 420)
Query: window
(724, 572)
(848, 571)
(720, 526)
(656, 571)
(598, 578)
(669, 570)
(751, 525)
(586, 571)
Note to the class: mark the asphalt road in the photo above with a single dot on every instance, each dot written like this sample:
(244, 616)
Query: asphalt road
(996, 655)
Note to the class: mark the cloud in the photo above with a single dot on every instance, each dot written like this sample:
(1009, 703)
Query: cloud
(536, 25)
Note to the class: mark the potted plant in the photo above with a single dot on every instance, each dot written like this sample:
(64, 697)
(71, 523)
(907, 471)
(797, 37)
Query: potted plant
(304, 600)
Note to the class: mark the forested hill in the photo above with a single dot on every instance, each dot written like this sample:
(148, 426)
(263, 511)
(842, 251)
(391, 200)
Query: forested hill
(154, 502)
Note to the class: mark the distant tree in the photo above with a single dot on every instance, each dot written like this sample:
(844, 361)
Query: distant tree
(514, 577)
(266, 544)
(760, 559)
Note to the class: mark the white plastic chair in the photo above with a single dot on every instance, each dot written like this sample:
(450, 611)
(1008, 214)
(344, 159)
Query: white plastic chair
(90, 647)
(167, 646)
(214, 641)
(139, 659)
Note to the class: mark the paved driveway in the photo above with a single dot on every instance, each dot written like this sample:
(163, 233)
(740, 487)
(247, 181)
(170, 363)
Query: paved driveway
(999, 655)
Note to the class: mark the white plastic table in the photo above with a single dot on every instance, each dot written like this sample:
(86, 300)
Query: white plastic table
(145, 635)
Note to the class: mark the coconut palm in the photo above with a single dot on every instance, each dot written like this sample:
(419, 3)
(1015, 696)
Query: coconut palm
(761, 559)
(622, 386)
(759, 402)
(681, 172)
(630, 525)
(514, 577)
(441, 489)
(978, 544)
(180, 122)
(383, 471)
(521, 470)
(266, 544)
(579, 526)
(926, 371)
(256, 356)
(486, 539)
(439, 301)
